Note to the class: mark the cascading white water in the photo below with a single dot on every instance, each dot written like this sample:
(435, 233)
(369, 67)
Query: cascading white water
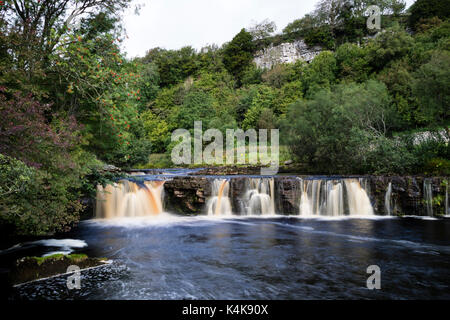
(259, 199)
(447, 212)
(327, 198)
(428, 196)
(219, 204)
(387, 199)
(128, 199)
(359, 202)
(335, 201)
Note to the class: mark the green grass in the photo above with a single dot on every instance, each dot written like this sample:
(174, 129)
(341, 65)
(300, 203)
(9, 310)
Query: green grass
(60, 256)
(163, 160)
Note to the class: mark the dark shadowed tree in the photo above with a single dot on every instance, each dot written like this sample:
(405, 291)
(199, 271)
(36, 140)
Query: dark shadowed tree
(238, 54)
(424, 9)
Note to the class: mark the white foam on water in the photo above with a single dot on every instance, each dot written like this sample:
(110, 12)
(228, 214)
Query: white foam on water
(57, 252)
(66, 245)
(421, 217)
(339, 218)
(61, 243)
(163, 218)
(166, 219)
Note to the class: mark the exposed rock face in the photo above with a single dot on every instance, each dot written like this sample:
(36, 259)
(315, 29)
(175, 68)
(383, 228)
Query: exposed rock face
(31, 268)
(188, 195)
(285, 53)
(110, 168)
(408, 194)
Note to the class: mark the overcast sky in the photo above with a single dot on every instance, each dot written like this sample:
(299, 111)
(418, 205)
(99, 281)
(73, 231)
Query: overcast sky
(172, 24)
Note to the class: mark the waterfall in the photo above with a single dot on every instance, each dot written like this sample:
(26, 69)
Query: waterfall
(359, 202)
(387, 199)
(259, 198)
(335, 201)
(219, 203)
(128, 199)
(310, 197)
(334, 198)
(428, 196)
(446, 199)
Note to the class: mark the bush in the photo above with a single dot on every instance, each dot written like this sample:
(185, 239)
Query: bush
(423, 9)
(344, 130)
(437, 166)
(34, 201)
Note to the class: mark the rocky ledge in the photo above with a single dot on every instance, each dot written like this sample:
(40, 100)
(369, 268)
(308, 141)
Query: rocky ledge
(408, 196)
(33, 268)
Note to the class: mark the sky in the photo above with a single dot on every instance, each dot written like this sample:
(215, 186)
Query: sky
(173, 24)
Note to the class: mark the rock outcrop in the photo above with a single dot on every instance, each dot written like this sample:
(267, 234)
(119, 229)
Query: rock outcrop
(33, 268)
(286, 53)
(188, 195)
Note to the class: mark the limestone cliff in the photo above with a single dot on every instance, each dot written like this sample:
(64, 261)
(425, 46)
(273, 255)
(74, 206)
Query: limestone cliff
(285, 53)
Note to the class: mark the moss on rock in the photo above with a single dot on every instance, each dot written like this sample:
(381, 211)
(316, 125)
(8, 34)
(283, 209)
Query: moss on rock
(33, 268)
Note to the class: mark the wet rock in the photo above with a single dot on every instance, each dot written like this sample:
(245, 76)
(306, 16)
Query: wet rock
(32, 268)
(186, 194)
(190, 194)
(111, 168)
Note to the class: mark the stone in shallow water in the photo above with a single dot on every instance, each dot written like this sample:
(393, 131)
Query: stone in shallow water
(94, 282)
(33, 268)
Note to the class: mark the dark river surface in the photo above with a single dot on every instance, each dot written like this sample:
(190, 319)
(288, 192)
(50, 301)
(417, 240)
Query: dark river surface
(258, 258)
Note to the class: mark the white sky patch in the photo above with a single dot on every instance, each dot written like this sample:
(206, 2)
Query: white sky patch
(173, 24)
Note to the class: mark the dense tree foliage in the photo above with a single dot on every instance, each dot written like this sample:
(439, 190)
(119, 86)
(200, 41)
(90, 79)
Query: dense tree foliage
(70, 101)
(238, 54)
(424, 9)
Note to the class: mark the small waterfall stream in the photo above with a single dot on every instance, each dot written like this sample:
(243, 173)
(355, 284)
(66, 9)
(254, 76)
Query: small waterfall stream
(428, 196)
(129, 199)
(252, 195)
(259, 197)
(387, 200)
(219, 204)
(334, 198)
(447, 212)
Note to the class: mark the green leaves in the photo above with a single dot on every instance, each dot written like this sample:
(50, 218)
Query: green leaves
(238, 54)
(432, 88)
(341, 131)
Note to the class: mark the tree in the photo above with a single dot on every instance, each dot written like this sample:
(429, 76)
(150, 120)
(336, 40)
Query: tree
(301, 26)
(432, 89)
(35, 202)
(352, 62)
(263, 98)
(252, 75)
(399, 80)
(320, 73)
(42, 24)
(197, 106)
(391, 44)
(25, 133)
(174, 66)
(335, 131)
(278, 75)
(263, 29)
(238, 54)
(149, 83)
(157, 131)
(288, 94)
(423, 9)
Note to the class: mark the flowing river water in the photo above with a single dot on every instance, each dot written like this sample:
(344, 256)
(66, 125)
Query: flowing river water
(321, 253)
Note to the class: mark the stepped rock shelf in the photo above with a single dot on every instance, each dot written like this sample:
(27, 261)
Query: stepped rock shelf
(240, 191)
